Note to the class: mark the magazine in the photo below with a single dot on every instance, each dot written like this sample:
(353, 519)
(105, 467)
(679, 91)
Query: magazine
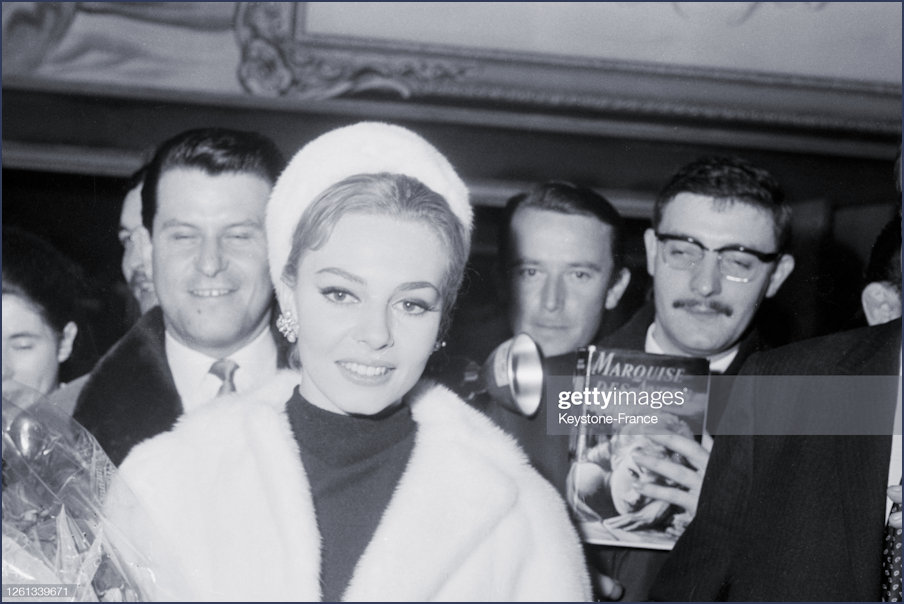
(622, 399)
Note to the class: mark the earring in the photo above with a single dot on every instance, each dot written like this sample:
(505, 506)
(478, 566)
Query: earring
(287, 326)
(439, 346)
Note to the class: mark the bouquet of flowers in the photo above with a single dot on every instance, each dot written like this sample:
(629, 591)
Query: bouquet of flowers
(55, 478)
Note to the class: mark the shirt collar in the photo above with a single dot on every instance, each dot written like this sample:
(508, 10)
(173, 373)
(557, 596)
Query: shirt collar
(190, 368)
(718, 363)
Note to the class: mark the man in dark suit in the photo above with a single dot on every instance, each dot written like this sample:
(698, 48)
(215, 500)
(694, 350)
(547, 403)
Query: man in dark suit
(203, 204)
(796, 517)
(716, 249)
(562, 263)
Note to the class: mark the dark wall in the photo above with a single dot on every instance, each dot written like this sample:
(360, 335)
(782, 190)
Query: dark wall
(80, 215)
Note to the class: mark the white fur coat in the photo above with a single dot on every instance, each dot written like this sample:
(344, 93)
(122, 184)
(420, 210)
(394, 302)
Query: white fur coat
(226, 512)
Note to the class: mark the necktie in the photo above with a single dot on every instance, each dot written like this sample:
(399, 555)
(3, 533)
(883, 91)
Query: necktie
(225, 369)
(891, 562)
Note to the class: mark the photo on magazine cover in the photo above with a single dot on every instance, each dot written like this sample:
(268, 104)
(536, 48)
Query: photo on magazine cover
(629, 398)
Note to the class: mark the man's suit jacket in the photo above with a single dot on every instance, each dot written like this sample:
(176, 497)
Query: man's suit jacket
(130, 395)
(793, 517)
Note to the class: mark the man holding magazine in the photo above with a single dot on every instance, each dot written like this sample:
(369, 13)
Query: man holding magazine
(717, 248)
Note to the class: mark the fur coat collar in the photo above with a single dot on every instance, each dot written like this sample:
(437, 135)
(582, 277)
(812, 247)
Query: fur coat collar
(233, 519)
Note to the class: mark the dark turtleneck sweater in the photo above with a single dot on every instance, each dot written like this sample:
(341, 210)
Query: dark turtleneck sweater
(353, 464)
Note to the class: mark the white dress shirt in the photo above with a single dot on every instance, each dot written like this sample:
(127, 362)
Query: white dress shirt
(717, 364)
(191, 369)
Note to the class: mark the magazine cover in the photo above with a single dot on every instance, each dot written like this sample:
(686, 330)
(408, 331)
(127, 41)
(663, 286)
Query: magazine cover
(624, 398)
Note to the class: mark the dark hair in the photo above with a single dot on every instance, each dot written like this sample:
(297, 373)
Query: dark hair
(215, 151)
(39, 273)
(885, 257)
(385, 194)
(564, 198)
(732, 180)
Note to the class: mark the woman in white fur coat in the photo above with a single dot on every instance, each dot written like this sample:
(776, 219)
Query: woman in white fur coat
(352, 478)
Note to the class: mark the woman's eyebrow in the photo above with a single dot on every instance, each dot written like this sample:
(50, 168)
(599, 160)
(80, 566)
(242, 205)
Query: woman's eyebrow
(341, 273)
(418, 285)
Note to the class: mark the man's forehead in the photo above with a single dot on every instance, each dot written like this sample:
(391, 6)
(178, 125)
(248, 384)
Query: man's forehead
(184, 193)
(542, 224)
(130, 215)
(717, 222)
(543, 236)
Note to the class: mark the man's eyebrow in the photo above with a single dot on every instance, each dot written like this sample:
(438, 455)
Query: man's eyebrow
(520, 261)
(175, 222)
(683, 235)
(24, 334)
(246, 223)
(591, 265)
(725, 248)
(588, 265)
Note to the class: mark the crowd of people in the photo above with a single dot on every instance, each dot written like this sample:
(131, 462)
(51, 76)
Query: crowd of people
(275, 412)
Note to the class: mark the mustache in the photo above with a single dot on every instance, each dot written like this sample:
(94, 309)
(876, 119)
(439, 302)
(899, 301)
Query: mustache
(713, 305)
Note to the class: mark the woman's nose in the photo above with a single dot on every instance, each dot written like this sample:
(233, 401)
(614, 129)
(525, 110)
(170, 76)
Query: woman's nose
(375, 329)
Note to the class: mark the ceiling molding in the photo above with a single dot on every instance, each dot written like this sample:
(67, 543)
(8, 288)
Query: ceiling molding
(115, 116)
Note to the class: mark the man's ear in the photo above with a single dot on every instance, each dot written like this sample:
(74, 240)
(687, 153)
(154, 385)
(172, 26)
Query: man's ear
(782, 270)
(141, 239)
(881, 302)
(649, 242)
(617, 289)
(67, 340)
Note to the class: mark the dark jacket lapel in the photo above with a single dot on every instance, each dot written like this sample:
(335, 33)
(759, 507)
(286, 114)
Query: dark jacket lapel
(130, 396)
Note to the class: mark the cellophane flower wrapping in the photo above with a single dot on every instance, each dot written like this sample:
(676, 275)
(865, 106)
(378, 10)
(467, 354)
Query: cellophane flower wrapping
(55, 479)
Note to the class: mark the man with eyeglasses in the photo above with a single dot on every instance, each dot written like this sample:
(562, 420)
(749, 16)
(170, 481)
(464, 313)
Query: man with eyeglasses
(802, 497)
(717, 247)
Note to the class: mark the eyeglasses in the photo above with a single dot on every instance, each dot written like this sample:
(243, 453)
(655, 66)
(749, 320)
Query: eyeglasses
(736, 262)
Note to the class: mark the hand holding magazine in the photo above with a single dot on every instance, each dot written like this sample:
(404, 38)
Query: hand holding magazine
(633, 447)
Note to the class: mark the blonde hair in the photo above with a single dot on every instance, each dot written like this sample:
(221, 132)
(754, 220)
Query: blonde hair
(384, 194)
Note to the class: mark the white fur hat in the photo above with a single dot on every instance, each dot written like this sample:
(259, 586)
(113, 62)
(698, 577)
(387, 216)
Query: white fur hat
(363, 148)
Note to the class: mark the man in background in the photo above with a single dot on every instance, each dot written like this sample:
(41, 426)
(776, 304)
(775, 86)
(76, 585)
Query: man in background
(560, 250)
(815, 515)
(203, 204)
(717, 247)
(560, 255)
(136, 245)
(881, 296)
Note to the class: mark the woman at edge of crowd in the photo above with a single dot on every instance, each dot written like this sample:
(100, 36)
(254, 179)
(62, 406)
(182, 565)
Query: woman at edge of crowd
(352, 478)
(43, 324)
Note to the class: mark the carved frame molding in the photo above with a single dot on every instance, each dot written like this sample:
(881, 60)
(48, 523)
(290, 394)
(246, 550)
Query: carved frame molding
(281, 59)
